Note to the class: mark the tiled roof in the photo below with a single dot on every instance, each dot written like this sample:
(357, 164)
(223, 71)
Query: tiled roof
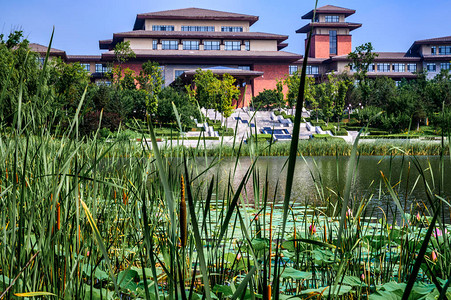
(105, 44)
(431, 58)
(203, 34)
(437, 41)
(280, 46)
(311, 60)
(392, 74)
(193, 14)
(351, 26)
(384, 56)
(83, 58)
(230, 71)
(401, 56)
(190, 55)
(43, 50)
(445, 39)
(331, 9)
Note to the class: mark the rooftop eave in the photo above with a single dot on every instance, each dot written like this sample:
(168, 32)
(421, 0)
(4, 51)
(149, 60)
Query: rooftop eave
(83, 58)
(205, 56)
(105, 44)
(307, 28)
(281, 46)
(198, 35)
(446, 58)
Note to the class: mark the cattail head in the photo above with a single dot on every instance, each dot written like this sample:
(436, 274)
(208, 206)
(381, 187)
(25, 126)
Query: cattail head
(124, 198)
(182, 211)
(58, 216)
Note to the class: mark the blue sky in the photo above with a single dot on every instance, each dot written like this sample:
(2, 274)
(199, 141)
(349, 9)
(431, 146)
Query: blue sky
(391, 25)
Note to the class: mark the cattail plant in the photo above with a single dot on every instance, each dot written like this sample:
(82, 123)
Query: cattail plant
(182, 212)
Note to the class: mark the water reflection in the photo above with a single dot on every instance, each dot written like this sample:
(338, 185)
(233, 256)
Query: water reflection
(318, 178)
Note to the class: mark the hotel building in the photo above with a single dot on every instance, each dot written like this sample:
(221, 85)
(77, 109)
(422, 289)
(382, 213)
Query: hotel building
(332, 42)
(184, 40)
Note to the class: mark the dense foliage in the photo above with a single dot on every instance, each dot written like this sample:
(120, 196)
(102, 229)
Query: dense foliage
(50, 92)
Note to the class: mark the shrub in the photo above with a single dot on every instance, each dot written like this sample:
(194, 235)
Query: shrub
(291, 117)
(327, 127)
(378, 132)
(341, 132)
(319, 123)
(267, 99)
(224, 131)
(325, 137)
(261, 137)
(392, 136)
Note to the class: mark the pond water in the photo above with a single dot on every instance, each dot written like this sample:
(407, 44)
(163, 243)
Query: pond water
(329, 174)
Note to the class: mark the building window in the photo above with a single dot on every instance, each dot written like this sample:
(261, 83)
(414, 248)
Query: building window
(383, 67)
(232, 29)
(333, 41)
(190, 45)
(292, 69)
(312, 70)
(412, 67)
(444, 50)
(245, 68)
(179, 72)
(433, 50)
(99, 68)
(170, 45)
(431, 67)
(232, 46)
(211, 45)
(371, 68)
(444, 66)
(332, 19)
(87, 67)
(102, 69)
(247, 45)
(399, 67)
(154, 44)
(163, 27)
(198, 28)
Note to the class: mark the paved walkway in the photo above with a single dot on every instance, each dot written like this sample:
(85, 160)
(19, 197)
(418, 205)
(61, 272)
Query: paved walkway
(247, 123)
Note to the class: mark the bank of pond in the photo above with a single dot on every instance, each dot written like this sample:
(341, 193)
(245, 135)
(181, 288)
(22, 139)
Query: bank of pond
(321, 147)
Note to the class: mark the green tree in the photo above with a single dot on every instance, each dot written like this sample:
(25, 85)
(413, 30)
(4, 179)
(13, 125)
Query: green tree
(279, 90)
(69, 82)
(215, 93)
(266, 99)
(122, 53)
(186, 107)
(151, 80)
(362, 58)
(228, 92)
(340, 99)
(127, 82)
(20, 68)
(293, 82)
(206, 89)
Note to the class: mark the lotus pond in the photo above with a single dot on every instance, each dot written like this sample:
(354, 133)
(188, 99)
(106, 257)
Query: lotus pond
(94, 220)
